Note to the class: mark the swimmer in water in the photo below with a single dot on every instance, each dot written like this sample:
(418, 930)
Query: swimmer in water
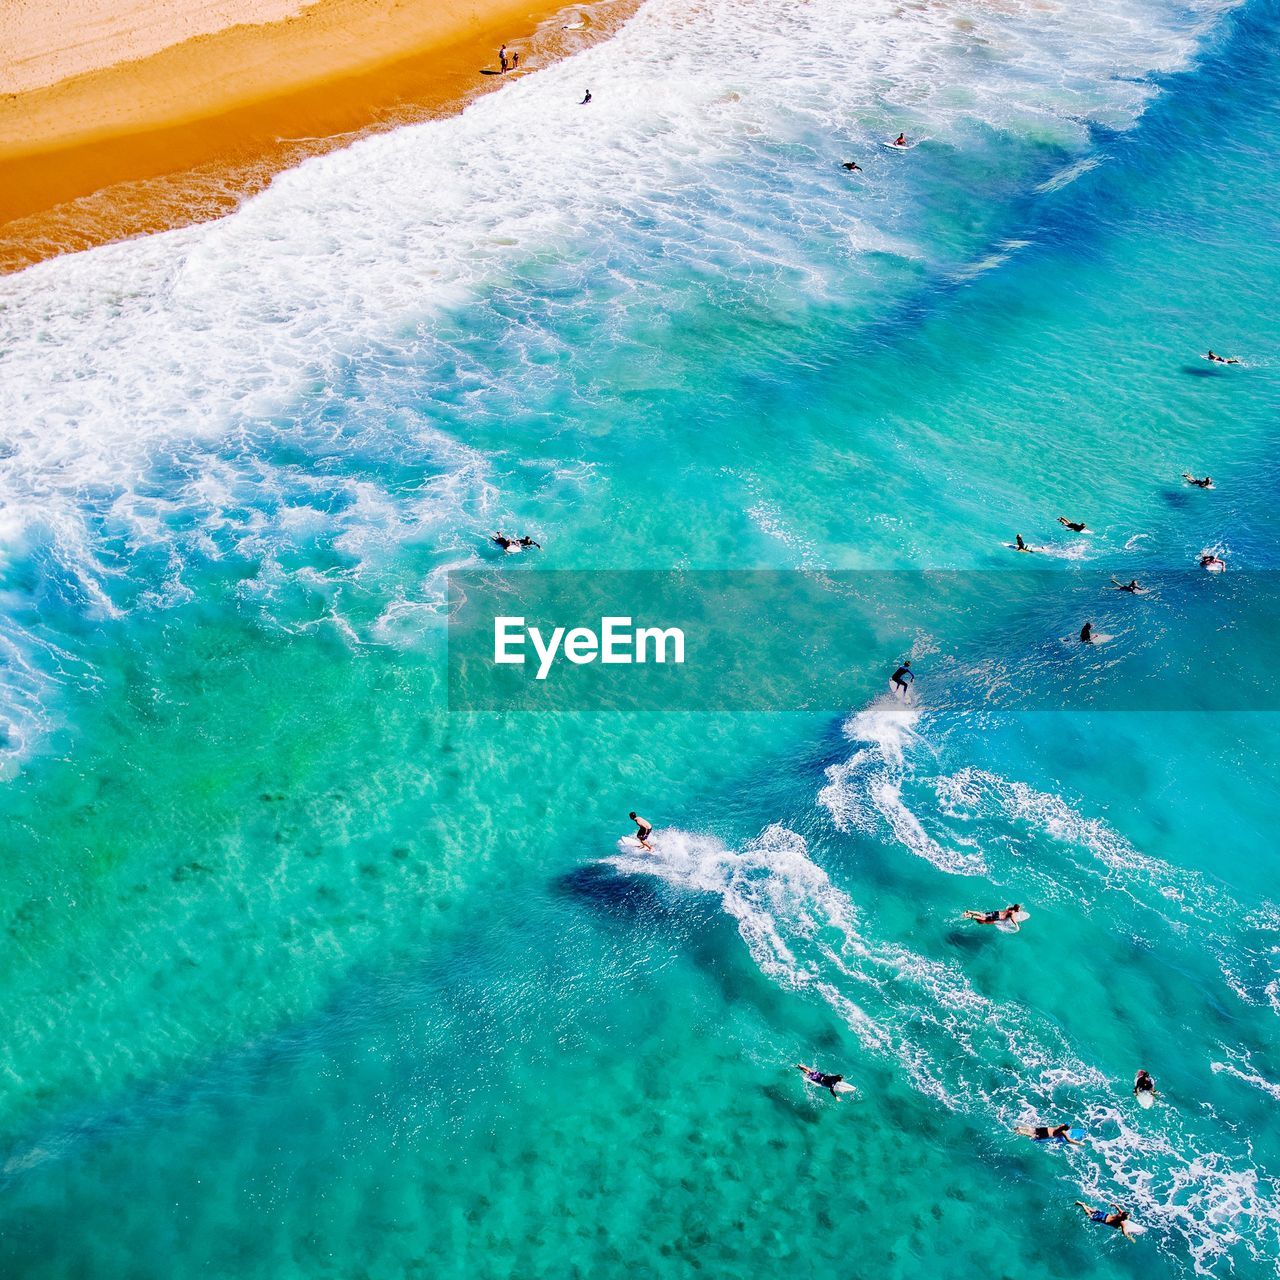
(1003, 916)
(1086, 633)
(1143, 1083)
(902, 679)
(1217, 359)
(644, 830)
(900, 140)
(852, 165)
(1076, 526)
(1206, 483)
(1212, 563)
(820, 1078)
(1118, 1219)
(1043, 1133)
(1019, 545)
(1133, 587)
(585, 99)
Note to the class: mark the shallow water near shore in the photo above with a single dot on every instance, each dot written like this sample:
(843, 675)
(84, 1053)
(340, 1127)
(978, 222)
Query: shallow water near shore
(307, 976)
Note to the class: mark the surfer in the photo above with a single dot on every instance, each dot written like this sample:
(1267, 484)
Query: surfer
(1217, 359)
(1086, 633)
(508, 544)
(902, 679)
(1076, 526)
(585, 99)
(1019, 545)
(644, 829)
(1004, 916)
(820, 1078)
(1206, 483)
(1133, 586)
(900, 140)
(1043, 1133)
(1118, 1219)
(852, 165)
(1143, 1083)
(1213, 563)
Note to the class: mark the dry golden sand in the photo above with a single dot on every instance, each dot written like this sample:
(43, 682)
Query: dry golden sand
(189, 131)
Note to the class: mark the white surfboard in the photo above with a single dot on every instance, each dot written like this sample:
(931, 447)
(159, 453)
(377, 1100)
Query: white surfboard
(1012, 924)
(1135, 1228)
(841, 1087)
(1146, 1099)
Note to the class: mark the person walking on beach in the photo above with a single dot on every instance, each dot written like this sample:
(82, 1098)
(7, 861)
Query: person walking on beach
(644, 829)
(515, 59)
(502, 59)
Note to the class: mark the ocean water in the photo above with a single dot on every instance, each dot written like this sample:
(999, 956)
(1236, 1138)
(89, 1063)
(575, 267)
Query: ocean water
(305, 975)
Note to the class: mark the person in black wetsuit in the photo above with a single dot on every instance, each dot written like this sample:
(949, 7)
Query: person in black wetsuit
(902, 679)
(1076, 526)
(852, 165)
(1133, 587)
(1019, 545)
(820, 1078)
(1206, 483)
(1143, 1083)
(585, 98)
(1086, 633)
(1043, 1133)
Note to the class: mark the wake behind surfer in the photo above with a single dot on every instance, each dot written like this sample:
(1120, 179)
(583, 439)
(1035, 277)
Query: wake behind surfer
(820, 1078)
(644, 829)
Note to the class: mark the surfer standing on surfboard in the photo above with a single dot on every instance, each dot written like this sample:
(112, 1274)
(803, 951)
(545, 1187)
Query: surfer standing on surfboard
(820, 1078)
(644, 830)
(902, 679)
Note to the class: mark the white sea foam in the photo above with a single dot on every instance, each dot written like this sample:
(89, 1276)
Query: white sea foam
(251, 387)
(999, 1063)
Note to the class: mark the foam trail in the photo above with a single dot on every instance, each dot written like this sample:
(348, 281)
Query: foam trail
(998, 1063)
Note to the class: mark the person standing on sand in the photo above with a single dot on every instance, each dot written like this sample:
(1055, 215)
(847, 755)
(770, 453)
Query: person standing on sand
(502, 59)
(515, 59)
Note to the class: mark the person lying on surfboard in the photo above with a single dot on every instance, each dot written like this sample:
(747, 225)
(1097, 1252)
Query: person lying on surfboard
(1143, 1083)
(1119, 1219)
(820, 1078)
(644, 830)
(1044, 1133)
(1217, 359)
(1206, 483)
(852, 165)
(506, 543)
(1019, 545)
(902, 679)
(1133, 586)
(1003, 916)
(1076, 526)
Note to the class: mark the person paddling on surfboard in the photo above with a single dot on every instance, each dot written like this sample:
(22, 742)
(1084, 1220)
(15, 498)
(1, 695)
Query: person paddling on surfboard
(852, 165)
(644, 829)
(1119, 1218)
(902, 679)
(1045, 1133)
(900, 140)
(1076, 526)
(1213, 563)
(508, 544)
(820, 1078)
(1133, 587)
(1217, 359)
(1019, 545)
(1206, 483)
(1143, 1083)
(1006, 915)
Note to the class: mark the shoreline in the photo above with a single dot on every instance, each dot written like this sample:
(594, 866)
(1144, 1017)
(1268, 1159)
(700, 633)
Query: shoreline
(187, 134)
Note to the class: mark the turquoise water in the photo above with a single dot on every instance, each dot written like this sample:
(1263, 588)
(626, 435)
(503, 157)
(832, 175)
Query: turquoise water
(307, 976)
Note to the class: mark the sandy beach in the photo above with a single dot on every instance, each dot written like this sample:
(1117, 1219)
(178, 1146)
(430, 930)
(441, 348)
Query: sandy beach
(119, 119)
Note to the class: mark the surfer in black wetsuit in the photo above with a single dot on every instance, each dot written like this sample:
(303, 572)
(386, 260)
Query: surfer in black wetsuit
(585, 98)
(1086, 633)
(643, 830)
(1134, 587)
(1043, 1133)
(1076, 526)
(507, 544)
(1003, 916)
(1143, 1083)
(820, 1078)
(902, 678)
(1019, 545)
(1206, 483)
(526, 541)
(852, 165)
(1217, 359)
